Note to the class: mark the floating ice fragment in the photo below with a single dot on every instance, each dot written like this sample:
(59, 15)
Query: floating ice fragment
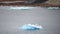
(53, 8)
(31, 27)
(21, 8)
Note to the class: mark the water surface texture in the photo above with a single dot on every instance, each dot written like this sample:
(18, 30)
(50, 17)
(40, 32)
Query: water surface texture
(10, 20)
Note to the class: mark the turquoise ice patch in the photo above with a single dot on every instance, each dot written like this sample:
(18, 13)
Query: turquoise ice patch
(29, 27)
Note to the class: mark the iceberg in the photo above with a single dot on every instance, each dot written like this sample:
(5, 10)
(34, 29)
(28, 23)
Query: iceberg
(31, 27)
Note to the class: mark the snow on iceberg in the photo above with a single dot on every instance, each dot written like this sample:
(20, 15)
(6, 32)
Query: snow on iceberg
(31, 27)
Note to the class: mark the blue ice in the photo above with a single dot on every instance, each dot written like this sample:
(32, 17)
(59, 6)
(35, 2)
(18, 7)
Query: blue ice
(29, 27)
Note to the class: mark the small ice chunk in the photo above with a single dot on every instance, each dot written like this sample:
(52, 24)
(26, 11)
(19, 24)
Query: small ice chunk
(19, 8)
(52, 8)
(31, 27)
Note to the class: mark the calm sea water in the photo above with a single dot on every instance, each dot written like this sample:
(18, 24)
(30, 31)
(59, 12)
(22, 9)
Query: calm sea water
(10, 20)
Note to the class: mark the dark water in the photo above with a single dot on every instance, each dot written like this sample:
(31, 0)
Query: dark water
(10, 20)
